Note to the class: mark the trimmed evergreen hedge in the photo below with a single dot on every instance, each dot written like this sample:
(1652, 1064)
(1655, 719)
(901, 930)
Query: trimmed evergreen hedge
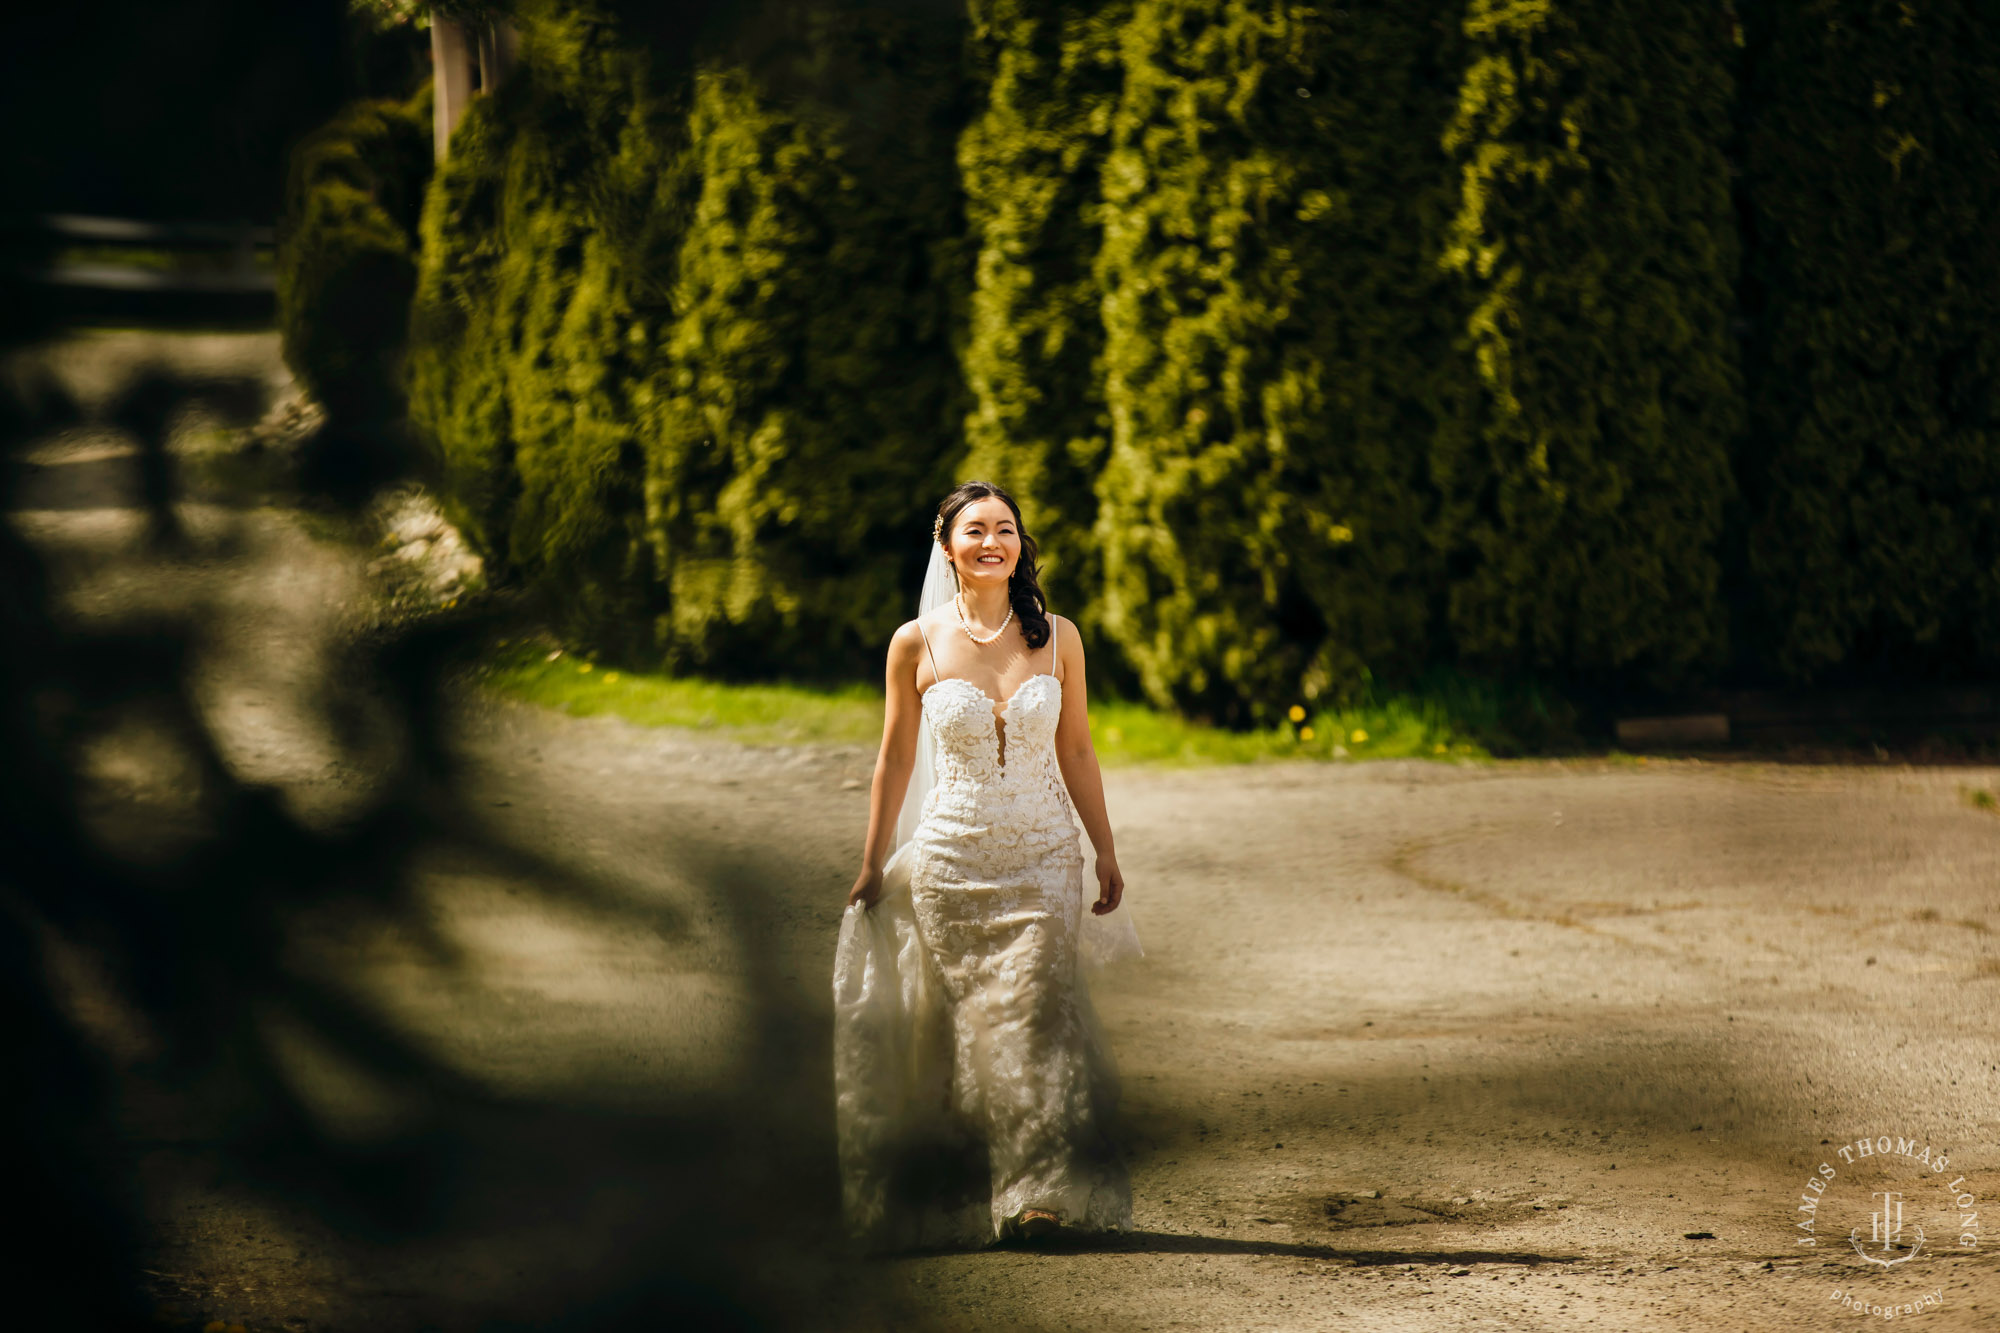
(1873, 183)
(346, 263)
(684, 344)
(1048, 76)
(811, 393)
(1609, 343)
(1597, 244)
(528, 329)
(1278, 350)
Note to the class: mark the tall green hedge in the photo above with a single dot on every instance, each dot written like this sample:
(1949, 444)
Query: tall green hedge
(459, 350)
(1048, 74)
(524, 324)
(347, 253)
(1597, 244)
(1321, 343)
(809, 393)
(683, 341)
(1873, 179)
(1277, 350)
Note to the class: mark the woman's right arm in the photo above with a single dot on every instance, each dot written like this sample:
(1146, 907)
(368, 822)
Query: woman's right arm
(902, 709)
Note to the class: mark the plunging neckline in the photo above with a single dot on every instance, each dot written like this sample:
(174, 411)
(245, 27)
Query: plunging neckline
(999, 717)
(1002, 705)
(998, 711)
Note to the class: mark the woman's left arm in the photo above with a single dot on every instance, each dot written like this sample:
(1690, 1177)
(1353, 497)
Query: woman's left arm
(1078, 759)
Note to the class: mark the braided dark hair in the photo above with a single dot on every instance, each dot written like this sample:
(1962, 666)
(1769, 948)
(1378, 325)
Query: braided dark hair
(1024, 588)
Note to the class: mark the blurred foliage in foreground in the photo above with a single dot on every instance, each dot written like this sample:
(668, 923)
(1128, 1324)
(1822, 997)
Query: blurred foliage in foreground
(222, 1107)
(1628, 348)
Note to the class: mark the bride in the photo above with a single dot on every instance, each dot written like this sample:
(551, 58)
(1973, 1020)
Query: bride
(973, 1084)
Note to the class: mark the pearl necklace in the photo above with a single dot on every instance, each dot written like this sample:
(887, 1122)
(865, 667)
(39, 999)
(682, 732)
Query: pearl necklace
(959, 602)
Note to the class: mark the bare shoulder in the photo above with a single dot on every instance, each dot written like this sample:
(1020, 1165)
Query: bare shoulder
(907, 641)
(905, 656)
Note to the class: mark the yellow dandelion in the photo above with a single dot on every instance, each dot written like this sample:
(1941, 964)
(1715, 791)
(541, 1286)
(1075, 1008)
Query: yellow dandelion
(583, 666)
(1305, 733)
(1114, 734)
(1297, 714)
(1438, 748)
(1358, 737)
(611, 678)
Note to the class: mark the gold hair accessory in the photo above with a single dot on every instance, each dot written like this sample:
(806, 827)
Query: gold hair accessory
(937, 529)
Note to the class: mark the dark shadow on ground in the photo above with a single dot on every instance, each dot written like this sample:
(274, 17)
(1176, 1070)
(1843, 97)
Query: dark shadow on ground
(1167, 1242)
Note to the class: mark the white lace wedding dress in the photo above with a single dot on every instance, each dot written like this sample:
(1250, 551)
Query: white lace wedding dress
(972, 1078)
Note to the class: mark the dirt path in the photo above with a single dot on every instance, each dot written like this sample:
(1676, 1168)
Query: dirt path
(1415, 1046)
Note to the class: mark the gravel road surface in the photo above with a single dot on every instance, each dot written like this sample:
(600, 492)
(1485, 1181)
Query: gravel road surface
(1526, 1045)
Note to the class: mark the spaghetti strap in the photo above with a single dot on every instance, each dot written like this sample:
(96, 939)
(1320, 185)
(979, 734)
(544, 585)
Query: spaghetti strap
(1054, 659)
(935, 673)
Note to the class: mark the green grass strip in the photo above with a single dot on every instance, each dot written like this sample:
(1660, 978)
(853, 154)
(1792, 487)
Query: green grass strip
(1124, 733)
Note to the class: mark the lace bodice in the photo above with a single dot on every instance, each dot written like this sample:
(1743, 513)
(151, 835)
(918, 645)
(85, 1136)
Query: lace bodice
(987, 760)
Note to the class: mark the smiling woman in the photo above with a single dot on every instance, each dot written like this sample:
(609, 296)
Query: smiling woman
(975, 1090)
(980, 528)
